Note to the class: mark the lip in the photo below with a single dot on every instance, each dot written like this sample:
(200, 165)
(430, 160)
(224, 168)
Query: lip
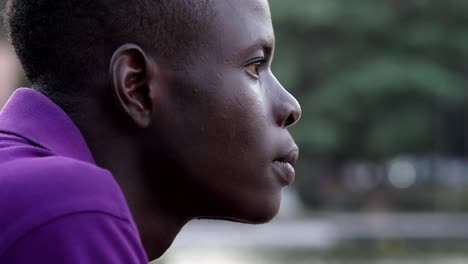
(283, 166)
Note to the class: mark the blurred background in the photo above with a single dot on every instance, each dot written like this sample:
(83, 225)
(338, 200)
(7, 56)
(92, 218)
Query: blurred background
(383, 175)
(10, 70)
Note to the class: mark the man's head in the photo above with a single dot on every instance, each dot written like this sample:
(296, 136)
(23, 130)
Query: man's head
(204, 115)
(69, 43)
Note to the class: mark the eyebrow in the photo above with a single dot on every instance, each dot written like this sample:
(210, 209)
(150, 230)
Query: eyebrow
(264, 43)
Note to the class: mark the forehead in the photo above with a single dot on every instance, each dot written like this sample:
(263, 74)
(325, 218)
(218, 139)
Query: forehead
(246, 7)
(242, 23)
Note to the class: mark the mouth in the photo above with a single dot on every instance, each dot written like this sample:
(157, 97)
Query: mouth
(283, 166)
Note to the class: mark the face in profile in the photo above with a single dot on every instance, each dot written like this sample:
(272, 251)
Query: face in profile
(223, 126)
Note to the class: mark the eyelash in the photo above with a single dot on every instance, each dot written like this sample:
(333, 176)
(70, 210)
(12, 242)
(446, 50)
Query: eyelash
(258, 63)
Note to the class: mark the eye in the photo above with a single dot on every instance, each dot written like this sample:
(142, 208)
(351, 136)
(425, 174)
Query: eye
(253, 68)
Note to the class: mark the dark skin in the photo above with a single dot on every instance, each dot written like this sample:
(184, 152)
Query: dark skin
(208, 141)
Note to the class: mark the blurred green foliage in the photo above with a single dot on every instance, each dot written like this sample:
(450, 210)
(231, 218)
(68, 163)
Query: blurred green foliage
(375, 78)
(2, 30)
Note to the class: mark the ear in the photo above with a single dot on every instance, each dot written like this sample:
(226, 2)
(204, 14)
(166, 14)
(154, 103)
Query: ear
(130, 80)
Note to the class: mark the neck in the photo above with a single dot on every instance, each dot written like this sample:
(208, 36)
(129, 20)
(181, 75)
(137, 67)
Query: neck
(157, 223)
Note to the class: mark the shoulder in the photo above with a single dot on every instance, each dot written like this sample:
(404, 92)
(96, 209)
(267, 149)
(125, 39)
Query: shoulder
(88, 237)
(35, 190)
(53, 180)
(60, 176)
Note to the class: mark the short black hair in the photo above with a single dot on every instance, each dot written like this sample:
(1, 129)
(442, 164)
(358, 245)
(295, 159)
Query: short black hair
(60, 43)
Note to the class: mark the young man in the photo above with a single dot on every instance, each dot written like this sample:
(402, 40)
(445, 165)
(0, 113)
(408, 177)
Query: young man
(143, 114)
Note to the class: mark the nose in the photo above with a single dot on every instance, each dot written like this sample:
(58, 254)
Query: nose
(291, 113)
(288, 111)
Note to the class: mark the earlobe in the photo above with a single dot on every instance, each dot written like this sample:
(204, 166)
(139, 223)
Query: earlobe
(130, 83)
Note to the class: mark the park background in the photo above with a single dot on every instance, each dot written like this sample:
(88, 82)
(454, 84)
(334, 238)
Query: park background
(383, 174)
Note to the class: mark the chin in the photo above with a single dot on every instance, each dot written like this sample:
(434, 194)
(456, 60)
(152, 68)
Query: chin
(253, 220)
(249, 213)
(260, 219)
(259, 213)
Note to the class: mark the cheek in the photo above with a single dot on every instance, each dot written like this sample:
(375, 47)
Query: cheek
(234, 153)
(240, 126)
(222, 120)
(223, 140)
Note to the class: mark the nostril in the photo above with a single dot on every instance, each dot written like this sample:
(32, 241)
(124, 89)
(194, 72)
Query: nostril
(287, 112)
(293, 116)
(290, 120)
